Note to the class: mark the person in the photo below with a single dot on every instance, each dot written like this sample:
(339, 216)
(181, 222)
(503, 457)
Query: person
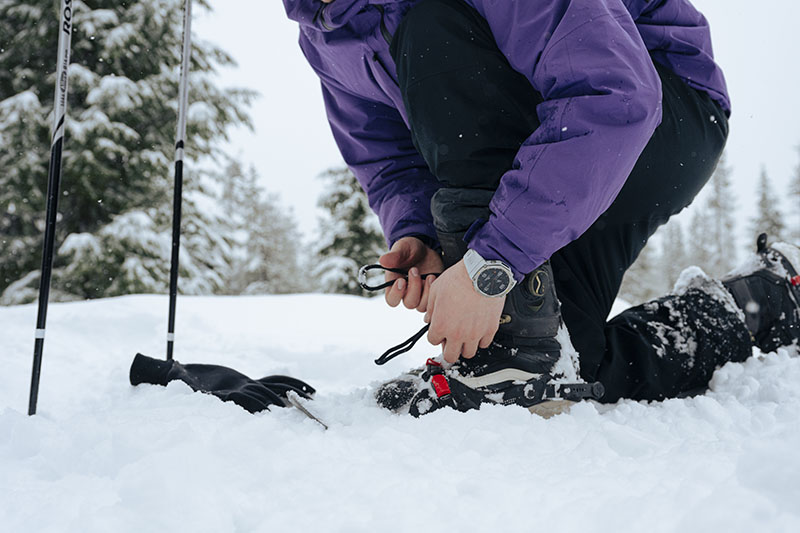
(525, 152)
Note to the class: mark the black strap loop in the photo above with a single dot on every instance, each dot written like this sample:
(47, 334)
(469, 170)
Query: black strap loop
(406, 345)
(401, 348)
(362, 276)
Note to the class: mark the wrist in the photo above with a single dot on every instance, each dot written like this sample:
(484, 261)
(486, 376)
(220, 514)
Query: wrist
(485, 239)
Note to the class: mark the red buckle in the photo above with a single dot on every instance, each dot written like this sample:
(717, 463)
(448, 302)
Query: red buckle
(440, 385)
(431, 362)
(795, 281)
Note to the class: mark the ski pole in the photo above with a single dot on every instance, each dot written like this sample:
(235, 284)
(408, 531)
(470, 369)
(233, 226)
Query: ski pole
(183, 100)
(53, 183)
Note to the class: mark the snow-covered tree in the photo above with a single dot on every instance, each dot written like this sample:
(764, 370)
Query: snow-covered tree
(711, 233)
(721, 206)
(699, 253)
(115, 206)
(769, 218)
(350, 234)
(674, 258)
(642, 281)
(266, 256)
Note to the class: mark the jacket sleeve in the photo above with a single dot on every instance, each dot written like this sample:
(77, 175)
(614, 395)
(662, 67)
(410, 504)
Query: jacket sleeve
(377, 146)
(602, 103)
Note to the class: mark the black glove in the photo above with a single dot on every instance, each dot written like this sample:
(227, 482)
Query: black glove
(225, 383)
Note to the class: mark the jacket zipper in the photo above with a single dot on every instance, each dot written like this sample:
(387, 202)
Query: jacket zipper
(320, 16)
(388, 37)
(384, 29)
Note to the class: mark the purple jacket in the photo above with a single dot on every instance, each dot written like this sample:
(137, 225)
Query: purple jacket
(588, 58)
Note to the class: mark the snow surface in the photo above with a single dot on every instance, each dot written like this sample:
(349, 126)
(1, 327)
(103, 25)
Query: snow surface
(104, 456)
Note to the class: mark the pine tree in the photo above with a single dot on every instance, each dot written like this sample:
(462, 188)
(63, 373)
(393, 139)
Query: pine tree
(115, 207)
(768, 218)
(642, 282)
(674, 257)
(697, 248)
(721, 206)
(351, 235)
(266, 250)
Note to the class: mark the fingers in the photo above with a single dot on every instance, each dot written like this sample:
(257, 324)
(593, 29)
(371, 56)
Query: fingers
(404, 253)
(422, 307)
(469, 349)
(400, 256)
(395, 293)
(486, 341)
(455, 348)
(394, 258)
(414, 292)
(412, 254)
(435, 336)
(451, 351)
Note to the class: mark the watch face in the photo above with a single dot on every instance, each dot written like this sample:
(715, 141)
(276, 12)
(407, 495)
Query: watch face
(493, 281)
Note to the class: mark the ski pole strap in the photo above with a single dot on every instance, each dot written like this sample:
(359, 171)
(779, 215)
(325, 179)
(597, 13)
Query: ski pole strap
(401, 348)
(406, 345)
(362, 276)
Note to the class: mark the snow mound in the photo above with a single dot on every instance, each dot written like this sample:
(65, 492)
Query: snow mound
(104, 456)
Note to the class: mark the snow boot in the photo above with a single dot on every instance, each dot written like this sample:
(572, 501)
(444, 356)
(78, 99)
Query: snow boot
(767, 290)
(531, 362)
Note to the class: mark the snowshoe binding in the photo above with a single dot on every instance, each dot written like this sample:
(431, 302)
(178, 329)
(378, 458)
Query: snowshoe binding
(767, 290)
(531, 363)
(496, 375)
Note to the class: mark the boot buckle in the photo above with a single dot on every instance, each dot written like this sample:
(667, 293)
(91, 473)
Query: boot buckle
(440, 386)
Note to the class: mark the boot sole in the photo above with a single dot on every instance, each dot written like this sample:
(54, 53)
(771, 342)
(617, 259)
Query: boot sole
(551, 408)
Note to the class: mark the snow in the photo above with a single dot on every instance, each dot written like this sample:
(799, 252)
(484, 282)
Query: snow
(104, 456)
(117, 89)
(790, 252)
(81, 243)
(201, 112)
(695, 277)
(97, 20)
(568, 365)
(15, 107)
(120, 35)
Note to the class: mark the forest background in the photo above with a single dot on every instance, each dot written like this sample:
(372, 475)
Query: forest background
(244, 231)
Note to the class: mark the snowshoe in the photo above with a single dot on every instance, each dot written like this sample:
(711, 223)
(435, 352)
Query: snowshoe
(539, 381)
(767, 290)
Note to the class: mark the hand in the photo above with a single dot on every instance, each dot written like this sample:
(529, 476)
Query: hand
(411, 254)
(461, 318)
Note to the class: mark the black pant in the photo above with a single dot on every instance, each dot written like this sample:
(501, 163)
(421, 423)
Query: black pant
(456, 83)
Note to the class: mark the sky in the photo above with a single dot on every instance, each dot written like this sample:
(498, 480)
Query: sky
(292, 144)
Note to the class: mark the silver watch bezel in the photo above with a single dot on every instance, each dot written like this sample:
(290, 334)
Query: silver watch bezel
(476, 265)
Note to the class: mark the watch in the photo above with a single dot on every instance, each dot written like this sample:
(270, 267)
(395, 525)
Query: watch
(490, 278)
